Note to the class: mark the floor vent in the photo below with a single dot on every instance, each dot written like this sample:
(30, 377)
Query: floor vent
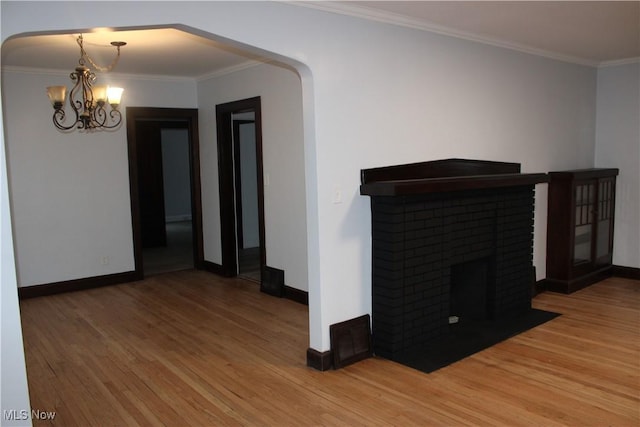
(351, 341)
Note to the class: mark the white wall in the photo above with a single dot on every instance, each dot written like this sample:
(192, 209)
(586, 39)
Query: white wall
(14, 392)
(386, 95)
(280, 92)
(618, 146)
(69, 192)
(372, 94)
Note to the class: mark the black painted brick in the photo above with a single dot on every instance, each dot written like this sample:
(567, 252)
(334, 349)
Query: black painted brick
(417, 239)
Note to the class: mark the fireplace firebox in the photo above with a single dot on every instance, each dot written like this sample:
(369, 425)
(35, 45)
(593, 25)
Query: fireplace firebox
(452, 242)
(468, 290)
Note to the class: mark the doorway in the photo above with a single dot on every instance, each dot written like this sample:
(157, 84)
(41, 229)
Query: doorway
(239, 130)
(246, 195)
(165, 189)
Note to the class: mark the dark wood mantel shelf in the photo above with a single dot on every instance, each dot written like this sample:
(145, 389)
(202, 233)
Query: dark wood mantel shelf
(458, 183)
(444, 175)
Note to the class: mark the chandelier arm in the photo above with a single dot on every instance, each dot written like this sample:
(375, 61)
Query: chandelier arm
(59, 114)
(99, 117)
(58, 118)
(87, 93)
(77, 105)
(116, 117)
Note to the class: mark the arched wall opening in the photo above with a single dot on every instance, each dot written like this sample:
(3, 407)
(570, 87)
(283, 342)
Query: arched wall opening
(109, 187)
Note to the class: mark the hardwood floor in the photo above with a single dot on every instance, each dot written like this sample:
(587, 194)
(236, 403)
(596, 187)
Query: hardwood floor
(189, 348)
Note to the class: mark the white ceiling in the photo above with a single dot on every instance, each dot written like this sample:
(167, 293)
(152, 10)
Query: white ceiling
(163, 52)
(587, 32)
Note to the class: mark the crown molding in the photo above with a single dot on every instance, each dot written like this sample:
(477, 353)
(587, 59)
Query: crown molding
(408, 22)
(129, 76)
(67, 73)
(230, 70)
(33, 70)
(618, 62)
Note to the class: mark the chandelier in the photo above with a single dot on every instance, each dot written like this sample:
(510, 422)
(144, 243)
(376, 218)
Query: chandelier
(89, 103)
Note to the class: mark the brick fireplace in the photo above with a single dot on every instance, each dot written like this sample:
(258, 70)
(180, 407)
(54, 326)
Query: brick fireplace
(452, 242)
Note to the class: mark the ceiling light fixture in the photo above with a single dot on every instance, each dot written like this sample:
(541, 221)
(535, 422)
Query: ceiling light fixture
(88, 102)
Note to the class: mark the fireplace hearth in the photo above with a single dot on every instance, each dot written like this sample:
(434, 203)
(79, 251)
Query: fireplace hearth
(452, 246)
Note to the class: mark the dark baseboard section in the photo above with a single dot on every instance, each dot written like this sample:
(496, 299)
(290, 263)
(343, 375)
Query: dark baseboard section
(569, 286)
(214, 268)
(626, 272)
(539, 287)
(77, 284)
(272, 281)
(296, 295)
(321, 361)
(287, 292)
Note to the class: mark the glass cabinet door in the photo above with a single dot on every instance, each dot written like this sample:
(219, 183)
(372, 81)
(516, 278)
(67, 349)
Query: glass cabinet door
(605, 219)
(584, 223)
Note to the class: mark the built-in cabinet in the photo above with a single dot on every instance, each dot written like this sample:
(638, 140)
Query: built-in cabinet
(580, 228)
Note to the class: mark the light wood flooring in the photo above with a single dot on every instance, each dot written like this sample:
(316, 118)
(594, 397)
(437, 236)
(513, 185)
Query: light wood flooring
(191, 349)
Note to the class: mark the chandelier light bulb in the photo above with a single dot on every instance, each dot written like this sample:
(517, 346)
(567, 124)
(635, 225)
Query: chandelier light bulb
(57, 95)
(114, 95)
(100, 94)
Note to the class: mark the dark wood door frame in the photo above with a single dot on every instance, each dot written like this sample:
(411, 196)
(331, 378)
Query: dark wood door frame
(226, 161)
(183, 117)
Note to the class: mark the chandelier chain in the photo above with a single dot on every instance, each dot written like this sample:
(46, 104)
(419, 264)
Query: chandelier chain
(84, 55)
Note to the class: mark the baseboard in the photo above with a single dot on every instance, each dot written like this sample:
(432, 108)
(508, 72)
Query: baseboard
(539, 287)
(626, 272)
(77, 284)
(570, 286)
(296, 295)
(272, 281)
(214, 268)
(322, 361)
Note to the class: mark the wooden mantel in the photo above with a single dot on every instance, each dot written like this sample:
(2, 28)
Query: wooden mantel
(444, 175)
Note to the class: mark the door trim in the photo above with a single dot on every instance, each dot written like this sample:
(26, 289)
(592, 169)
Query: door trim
(190, 116)
(226, 181)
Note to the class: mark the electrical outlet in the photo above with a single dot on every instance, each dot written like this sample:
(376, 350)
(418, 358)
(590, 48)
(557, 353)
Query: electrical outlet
(105, 260)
